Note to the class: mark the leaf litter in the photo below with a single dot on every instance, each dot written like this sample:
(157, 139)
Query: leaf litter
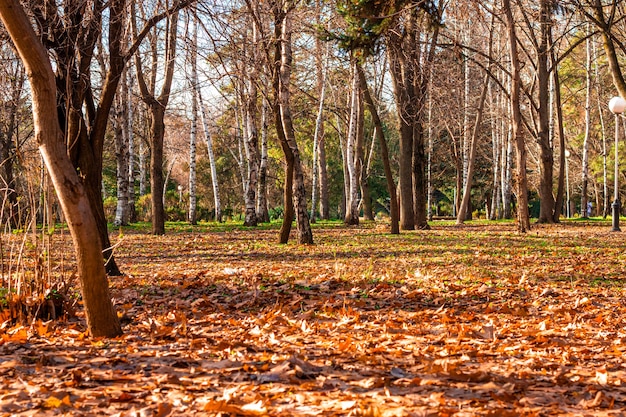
(449, 322)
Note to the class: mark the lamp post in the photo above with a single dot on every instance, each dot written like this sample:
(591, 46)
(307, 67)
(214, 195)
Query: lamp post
(617, 105)
(567, 209)
(180, 193)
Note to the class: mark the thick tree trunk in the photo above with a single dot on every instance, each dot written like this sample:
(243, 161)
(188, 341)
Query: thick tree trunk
(546, 211)
(157, 133)
(399, 74)
(101, 317)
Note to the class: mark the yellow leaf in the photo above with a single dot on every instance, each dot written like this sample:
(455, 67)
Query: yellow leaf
(53, 402)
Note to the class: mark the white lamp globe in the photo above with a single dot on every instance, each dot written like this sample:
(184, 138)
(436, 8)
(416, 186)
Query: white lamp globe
(617, 105)
(567, 153)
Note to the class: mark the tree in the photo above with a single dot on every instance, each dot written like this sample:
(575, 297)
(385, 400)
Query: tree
(294, 191)
(523, 219)
(156, 107)
(101, 317)
(193, 134)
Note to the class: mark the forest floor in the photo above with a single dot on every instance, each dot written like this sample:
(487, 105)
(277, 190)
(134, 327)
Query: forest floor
(456, 321)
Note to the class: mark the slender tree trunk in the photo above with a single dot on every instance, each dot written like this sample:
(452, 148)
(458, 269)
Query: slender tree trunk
(353, 162)
(319, 131)
(523, 219)
(587, 139)
(252, 139)
(467, 192)
(305, 234)
(193, 134)
(122, 157)
(261, 206)
(561, 190)
(132, 214)
(384, 153)
(212, 162)
(157, 106)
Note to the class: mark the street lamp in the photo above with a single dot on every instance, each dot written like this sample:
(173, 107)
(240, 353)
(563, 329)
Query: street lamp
(180, 193)
(567, 209)
(617, 105)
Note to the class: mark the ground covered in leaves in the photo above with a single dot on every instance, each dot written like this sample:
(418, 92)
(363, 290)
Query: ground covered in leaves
(455, 321)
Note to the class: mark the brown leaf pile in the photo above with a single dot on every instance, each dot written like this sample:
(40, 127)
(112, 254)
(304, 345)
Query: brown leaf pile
(449, 322)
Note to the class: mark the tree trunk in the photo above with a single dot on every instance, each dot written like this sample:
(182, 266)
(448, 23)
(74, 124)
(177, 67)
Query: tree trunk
(101, 317)
(585, 160)
(462, 215)
(546, 212)
(193, 134)
(252, 139)
(384, 153)
(401, 75)
(305, 234)
(561, 191)
(262, 212)
(123, 159)
(157, 106)
(130, 134)
(353, 161)
(523, 219)
(319, 131)
(212, 163)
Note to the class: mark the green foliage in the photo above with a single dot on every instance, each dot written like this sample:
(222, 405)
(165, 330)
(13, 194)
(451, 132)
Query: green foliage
(367, 20)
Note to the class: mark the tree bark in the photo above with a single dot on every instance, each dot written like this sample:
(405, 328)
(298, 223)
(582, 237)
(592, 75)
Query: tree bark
(212, 163)
(289, 144)
(354, 148)
(384, 153)
(523, 219)
(193, 134)
(157, 106)
(462, 215)
(546, 211)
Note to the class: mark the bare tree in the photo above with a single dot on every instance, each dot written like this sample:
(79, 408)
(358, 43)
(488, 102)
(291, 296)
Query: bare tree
(157, 106)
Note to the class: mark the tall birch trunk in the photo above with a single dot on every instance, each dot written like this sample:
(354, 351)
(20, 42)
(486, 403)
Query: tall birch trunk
(211, 155)
(319, 131)
(252, 137)
(587, 139)
(132, 213)
(122, 156)
(261, 205)
(193, 134)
